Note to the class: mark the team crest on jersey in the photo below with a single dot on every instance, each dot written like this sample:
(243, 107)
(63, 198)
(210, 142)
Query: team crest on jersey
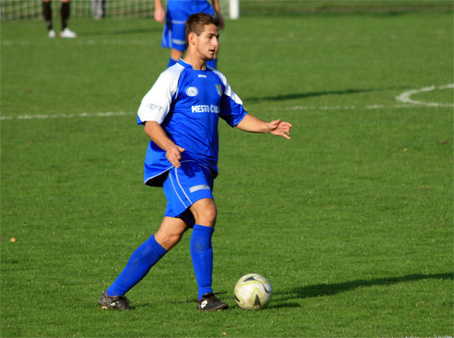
(192, 91)
(219, 89)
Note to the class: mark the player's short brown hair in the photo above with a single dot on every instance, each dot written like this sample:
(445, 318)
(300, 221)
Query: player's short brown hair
(196, 24)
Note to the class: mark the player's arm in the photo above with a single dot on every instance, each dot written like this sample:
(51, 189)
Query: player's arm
(253, 124)
(159, 12)
(159, 137)
(217, 10)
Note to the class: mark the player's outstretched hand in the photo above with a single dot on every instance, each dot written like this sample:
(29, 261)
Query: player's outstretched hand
(173, 154)
(279, 128)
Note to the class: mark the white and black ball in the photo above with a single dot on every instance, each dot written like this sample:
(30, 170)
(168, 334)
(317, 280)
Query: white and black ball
(253, 292)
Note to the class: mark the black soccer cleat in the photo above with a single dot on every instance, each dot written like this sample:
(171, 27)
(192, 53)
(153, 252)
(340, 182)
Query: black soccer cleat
(113, 303)
(210, 302)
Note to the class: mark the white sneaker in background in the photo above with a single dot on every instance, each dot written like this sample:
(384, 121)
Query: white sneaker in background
(51, 34)
(67, 33)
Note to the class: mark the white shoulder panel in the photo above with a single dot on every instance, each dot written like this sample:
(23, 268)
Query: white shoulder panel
(156, 103)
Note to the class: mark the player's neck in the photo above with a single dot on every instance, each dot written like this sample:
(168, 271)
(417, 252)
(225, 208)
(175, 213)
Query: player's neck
(196, 63)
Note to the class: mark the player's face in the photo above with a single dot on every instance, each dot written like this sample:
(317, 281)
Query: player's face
(207, 42)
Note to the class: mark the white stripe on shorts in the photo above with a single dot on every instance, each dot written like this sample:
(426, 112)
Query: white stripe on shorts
(176, 191)
(176, 175)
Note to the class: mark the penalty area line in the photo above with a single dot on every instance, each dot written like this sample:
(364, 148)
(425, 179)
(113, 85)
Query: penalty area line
(58, 116)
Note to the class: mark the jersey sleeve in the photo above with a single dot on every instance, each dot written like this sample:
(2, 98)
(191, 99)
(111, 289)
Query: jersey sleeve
(232, 110)
(156, 103)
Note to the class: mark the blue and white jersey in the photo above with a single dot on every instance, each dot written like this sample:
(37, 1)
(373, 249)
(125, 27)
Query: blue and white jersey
(187, 103)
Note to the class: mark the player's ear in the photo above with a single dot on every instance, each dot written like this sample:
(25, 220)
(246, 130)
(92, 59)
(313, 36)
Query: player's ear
(192, 38)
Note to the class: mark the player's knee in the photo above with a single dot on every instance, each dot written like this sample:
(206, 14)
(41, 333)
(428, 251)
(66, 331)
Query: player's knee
(204, 212)
(207, 216)
(176, 54)
(210, 215)
(168, 238)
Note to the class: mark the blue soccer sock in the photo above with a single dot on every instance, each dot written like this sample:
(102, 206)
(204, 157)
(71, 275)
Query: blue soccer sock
(141, 261)
(213, 63)
(202, 257)
(171, 62)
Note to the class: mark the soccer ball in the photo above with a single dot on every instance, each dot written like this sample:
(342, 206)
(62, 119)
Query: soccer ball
(252, 292)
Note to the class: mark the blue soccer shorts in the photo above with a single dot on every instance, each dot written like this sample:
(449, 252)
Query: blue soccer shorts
(173, 36)
(184, 186)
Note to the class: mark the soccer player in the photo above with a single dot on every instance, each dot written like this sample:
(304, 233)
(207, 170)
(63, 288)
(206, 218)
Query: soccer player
(180, 114)
(177, 13)
(65, 10)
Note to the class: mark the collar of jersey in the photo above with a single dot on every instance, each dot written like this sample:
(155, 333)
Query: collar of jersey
(188, 65)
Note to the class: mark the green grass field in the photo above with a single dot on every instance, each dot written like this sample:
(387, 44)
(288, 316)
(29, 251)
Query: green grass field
(351, 220)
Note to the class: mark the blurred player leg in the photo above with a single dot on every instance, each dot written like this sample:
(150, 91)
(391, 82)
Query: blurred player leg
(65, 11)
(47, 13)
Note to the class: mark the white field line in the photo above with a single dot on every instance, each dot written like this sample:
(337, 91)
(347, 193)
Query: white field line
(81, 42)
(404, 97)
(324, 108)
(58, 116)
(109, 114)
